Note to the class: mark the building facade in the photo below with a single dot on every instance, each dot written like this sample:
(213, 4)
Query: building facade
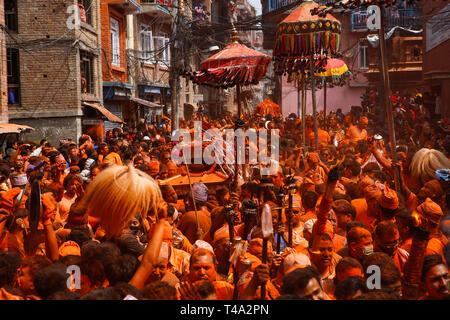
(360, 56)
(3, 69)
(436, 47)
(54, 66)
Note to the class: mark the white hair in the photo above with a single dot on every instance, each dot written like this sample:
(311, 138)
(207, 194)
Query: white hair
(118, 193)
(425, 163)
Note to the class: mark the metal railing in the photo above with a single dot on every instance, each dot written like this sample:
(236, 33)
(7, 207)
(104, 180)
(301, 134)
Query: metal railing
(278, 4)
(408, 18)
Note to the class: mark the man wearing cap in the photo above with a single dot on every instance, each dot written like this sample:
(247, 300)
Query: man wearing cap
(388, 204)
(356, 133)
(315, 170)
(18, 178)
(188, 223)
(431, 213)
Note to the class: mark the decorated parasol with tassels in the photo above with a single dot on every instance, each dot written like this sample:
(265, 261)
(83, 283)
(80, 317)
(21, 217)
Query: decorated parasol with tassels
(235, 65)
(336, 74)
(302, 38)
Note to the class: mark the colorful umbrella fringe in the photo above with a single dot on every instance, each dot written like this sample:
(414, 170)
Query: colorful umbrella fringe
(236, 64)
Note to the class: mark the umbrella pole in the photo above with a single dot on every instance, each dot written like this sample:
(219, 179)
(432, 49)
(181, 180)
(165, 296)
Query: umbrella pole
(299, 97)
(387, 93)
(313, 92)
(325, 104)
(238, 94)
(303, 111)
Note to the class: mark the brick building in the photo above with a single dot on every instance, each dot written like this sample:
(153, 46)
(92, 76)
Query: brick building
(436, 47)
(54, 67)
(3, 69)
(117, 89)
(148, 53)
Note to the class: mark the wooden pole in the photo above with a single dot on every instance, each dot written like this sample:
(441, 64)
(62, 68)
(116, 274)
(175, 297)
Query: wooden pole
(313, 94)
(325, 104)
(387, 94)
(299, 96)
(264, 261)
(303, 112)
(238, 94)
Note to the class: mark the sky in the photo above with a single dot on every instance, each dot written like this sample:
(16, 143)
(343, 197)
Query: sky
(257, 5)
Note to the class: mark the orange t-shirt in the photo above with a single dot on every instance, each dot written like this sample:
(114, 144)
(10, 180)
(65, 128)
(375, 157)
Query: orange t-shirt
(361, 213)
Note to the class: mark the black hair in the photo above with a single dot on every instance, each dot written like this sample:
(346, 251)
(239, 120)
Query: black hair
(80, 235)
(124, 289)
(349, 287)
(102, 294)
(93, 269)
(382, 294)
(108, 252)
(309, 199)
(291, 297)
(159, 290)
(9, 263)
(346, 207)
(206, 288)
(429, 262)
(121, 269)
(385, 227)
(354, 167)
(64, 295)
(90, 249)
(347, 263)
(298, 279)
(51, 279)
(354, 224)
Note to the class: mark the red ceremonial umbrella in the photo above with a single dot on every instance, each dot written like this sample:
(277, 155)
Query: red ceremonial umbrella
(268, 107)
(235, 65)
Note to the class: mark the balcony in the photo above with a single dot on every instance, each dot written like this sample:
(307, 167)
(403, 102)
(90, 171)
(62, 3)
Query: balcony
(273, 5)
(407, 18)
(157, 7)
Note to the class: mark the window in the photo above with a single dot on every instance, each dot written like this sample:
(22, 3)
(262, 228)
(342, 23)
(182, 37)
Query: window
(162, 45)
(11, 14)
(86, 71)
(363, 61)
(146, 40)
(86, 7)
(12, 61)
(115, 42)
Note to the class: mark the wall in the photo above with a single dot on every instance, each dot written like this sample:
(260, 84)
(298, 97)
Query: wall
(110, 72)
(50, 85)
(436, 65)
(53, 129)
(337, 97)
(3, 70)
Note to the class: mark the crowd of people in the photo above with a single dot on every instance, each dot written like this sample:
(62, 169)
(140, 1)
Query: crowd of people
(339, 217)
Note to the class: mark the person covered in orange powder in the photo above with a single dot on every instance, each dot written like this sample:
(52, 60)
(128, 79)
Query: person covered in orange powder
(203, 266)
(359, 132)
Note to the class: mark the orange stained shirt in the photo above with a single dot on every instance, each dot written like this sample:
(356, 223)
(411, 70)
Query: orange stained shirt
(324, 137)
(188, 224)
(361, 213)
(224, 290)
(114, 158)
(178, 261)
(354, 134)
